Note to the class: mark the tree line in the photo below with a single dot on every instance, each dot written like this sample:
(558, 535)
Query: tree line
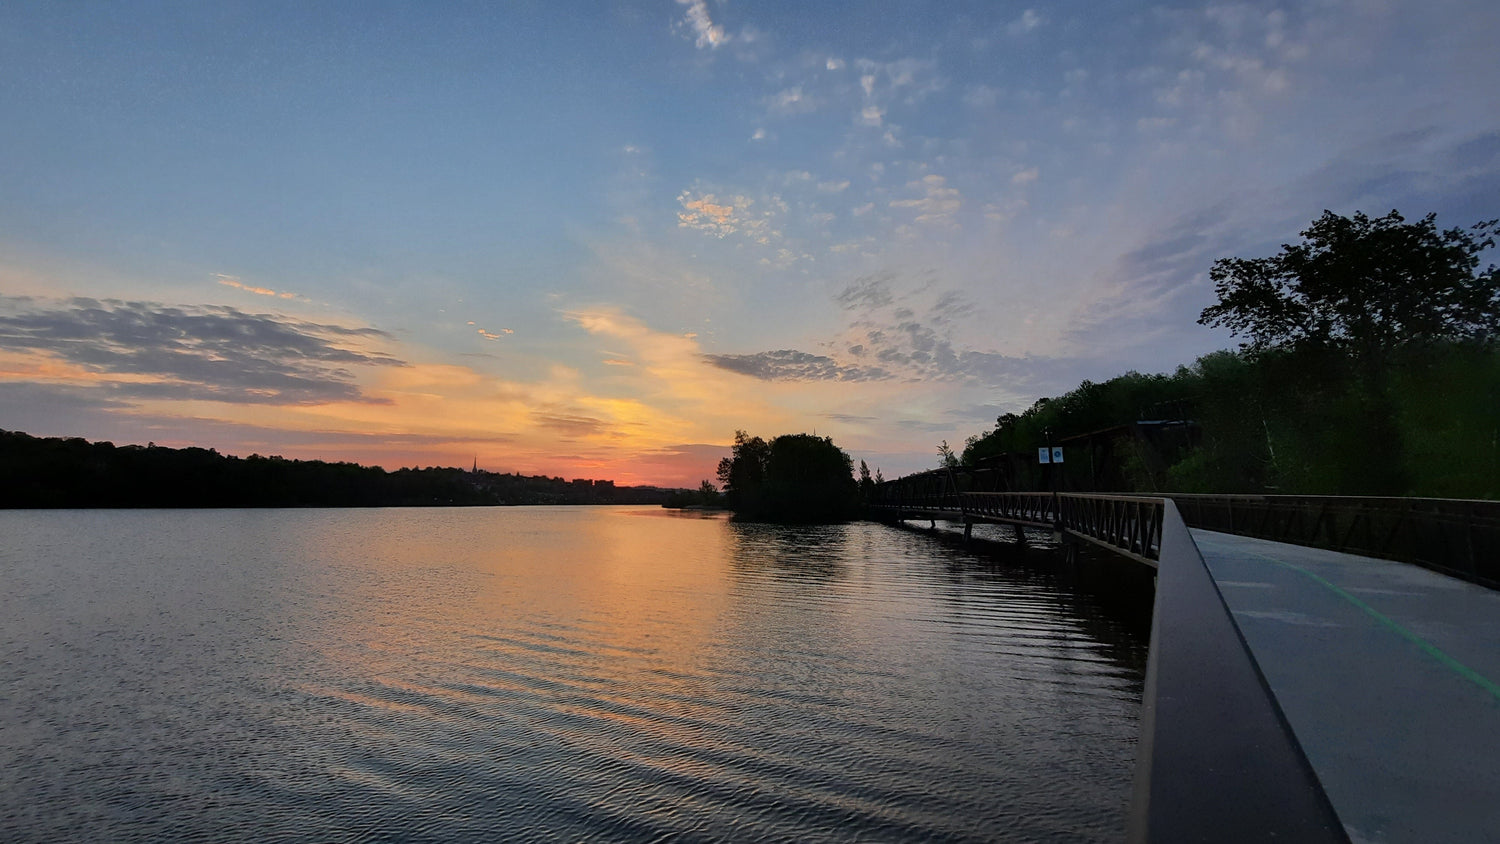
(48, 472)
(1369, 367)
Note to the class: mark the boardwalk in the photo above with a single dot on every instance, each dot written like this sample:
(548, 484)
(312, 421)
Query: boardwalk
(1295, 692)
(1389, 676)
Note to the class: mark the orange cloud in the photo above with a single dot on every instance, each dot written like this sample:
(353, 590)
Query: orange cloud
(232, 281)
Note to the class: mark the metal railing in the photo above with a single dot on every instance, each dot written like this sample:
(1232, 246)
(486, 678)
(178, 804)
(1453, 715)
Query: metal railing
(1127, 524)
(1453, 536)
(1130, 525)
(1038, 509)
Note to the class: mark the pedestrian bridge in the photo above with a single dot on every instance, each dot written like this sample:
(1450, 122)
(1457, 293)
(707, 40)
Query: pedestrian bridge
(1293, 692)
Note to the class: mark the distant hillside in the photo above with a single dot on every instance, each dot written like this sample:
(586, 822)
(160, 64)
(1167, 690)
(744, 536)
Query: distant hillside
(52, 472)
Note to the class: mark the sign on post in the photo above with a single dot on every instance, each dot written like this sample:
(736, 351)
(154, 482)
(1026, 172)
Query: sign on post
(1057, 454)
(1044, 455)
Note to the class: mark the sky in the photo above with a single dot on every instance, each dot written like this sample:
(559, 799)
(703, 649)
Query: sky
(596, 239)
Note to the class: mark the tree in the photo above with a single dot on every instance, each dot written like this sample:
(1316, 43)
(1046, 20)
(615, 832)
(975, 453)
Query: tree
(708, 494)
(946, 458)
(866, 483)
(743, 475)
(1364, 286)
(793, 478)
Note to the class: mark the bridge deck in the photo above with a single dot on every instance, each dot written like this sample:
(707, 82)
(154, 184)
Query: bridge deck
(1389, 676)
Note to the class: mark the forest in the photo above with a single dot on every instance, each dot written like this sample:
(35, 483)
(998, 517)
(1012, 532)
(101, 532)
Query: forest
(1369, 367)
(47, 472)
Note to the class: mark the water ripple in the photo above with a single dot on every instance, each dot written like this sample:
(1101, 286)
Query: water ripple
(546, 674)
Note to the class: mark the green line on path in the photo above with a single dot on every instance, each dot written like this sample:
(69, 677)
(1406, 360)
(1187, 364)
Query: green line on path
(1427, 647)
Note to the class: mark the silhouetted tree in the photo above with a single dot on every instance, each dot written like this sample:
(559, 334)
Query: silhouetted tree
(794, 478)
(1362, 285)
(708, 494)
(1340, 306)
(742, 476)
(866, 483)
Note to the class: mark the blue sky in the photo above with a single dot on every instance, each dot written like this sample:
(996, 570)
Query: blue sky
(594, 239)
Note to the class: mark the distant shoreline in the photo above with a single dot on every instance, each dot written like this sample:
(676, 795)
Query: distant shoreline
(54, 473)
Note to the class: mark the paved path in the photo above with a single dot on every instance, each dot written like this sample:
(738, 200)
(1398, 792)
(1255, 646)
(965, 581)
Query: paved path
(1389, 675)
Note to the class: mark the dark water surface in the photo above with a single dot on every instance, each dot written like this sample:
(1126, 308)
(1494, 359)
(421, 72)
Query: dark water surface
(545, 674)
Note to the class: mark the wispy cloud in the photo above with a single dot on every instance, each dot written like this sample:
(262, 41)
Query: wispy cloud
(150, 350)
(793, 365)
(866, 293)
(569, 425)
(705, 32)
(233, 281)
(1028, 21)
(937, 205)
(791, 101)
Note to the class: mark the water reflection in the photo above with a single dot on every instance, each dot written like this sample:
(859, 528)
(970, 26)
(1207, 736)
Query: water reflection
(544, 673)
(798, 552)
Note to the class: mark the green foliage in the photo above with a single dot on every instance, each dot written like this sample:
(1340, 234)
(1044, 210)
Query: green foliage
(1304, 421)
(1370, 368)
(794, 478)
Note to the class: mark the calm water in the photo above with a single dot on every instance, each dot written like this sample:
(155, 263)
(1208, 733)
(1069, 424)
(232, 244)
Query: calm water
(545, 674)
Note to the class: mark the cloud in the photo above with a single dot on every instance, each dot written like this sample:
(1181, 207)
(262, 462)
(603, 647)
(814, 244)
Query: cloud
(833, 187)
(1025, 177)
(981, 96)
(793, 365)
(705, 32)
(937, 205)
(489, 335)
(1027, 22)
(892, 342)
(866, 292)
(791, 101)
(706, 212)
(215, 353)
(233, 281)
(17, 397)
(569, 425)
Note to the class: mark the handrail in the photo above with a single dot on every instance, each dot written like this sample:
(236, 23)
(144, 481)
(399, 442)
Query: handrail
(1130, 525)
(1457, 537)
(1216, 760)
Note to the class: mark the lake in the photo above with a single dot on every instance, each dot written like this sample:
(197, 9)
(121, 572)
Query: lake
(548, 674)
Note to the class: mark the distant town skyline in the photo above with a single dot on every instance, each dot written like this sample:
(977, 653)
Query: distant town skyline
(593, 240)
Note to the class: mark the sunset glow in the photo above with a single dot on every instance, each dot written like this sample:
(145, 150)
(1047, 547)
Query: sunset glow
(595, 244)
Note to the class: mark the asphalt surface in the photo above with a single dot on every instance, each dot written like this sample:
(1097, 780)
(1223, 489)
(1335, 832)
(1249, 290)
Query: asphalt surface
(1389, 675)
